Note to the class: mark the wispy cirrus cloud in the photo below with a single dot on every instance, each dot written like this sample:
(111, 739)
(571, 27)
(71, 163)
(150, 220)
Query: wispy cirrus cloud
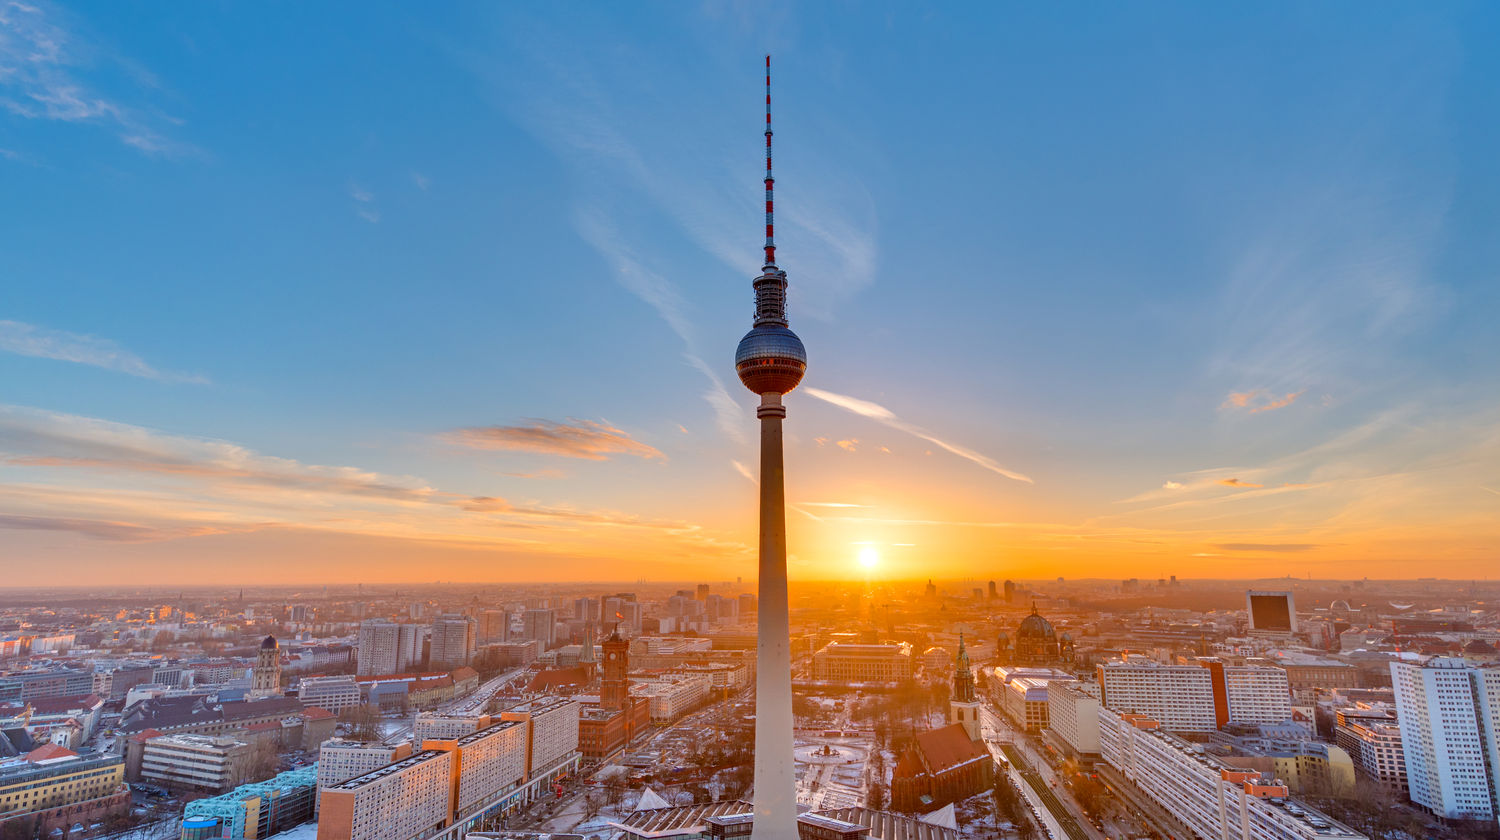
(1267, 547)
(664, 297)
(43, 343)
(881, 414)
(583, 439)
(40, 79)
(113, 481)
(1236, 482)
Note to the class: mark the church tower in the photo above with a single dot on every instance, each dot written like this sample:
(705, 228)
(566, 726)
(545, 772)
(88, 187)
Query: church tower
(963, 709)
(265, 679)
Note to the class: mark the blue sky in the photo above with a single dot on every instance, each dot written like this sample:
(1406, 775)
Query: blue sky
(1220, 282)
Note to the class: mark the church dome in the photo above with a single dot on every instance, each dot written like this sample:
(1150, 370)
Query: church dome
(1035, 627)
(269, 643)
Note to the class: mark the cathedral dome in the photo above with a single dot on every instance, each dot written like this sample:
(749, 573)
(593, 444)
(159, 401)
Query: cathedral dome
(1036, 628)
(269, 643)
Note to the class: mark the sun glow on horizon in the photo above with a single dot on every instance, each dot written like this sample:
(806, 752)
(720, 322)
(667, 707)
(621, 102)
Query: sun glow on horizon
(869, 558)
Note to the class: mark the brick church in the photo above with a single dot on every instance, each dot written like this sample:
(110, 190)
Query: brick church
(947, 764)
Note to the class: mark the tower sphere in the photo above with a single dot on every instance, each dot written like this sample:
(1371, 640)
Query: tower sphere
(770, 360)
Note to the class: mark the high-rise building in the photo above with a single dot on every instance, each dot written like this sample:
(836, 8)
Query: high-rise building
(385, 647)
(771, 361)
(540, 625)
(1271, 612)
(452, 642)
(1010, 591)
(1449, 714)
(1198, 697)
(340, 760)
(1073, 715)
(702, 593)
(494, 626)
(1211, 795)
(265, 678)
(410, 798)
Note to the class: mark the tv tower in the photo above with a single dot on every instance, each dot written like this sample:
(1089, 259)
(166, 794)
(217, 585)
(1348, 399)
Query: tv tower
(771, 361)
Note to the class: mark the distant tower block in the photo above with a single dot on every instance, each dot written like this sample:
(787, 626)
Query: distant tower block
(770, 362)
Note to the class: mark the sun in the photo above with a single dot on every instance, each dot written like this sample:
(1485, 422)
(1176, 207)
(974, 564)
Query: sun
(869, 558)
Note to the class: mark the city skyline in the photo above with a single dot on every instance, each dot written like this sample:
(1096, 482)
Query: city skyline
(387, 311)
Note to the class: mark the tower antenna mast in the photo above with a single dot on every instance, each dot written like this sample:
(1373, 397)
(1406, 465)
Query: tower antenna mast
(770, 181)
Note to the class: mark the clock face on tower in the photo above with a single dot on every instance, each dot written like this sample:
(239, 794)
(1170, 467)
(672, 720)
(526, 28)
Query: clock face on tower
(611, 657)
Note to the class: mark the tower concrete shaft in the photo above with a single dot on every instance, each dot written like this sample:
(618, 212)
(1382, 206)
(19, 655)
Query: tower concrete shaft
(775, 770)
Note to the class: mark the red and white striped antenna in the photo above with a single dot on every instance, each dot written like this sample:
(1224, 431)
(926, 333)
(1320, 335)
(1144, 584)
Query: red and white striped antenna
(770, 182)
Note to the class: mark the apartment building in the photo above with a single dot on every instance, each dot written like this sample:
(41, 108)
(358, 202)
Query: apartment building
(385, 647)
(1449, 714)
(401, 801)
(844, 662)
(1212, 796)
(1073, 715)
(491, 761)
(1195, 697)
(553, 732)
(340, 760)
(438, 727)
(1372, 738)
(452, 642)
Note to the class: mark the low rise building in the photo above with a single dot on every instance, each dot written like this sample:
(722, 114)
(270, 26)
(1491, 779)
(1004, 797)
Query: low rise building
(51, 787)
(672, 695)
(257, 810)
(846, 663)
(194, 762)
(1372, 738)
(332, 693)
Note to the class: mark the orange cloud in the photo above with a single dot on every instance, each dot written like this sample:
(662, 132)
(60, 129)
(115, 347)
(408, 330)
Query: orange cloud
(849, 445)
(1275, 404)
(1235, 482)
(1258, 400)
(575, 439)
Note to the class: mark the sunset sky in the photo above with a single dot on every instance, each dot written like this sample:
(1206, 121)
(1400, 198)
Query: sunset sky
(294, 292)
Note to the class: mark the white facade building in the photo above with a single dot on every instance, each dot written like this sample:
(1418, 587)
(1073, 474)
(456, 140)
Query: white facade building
(1209, 795)
(332, 693)
(453, 642)
(1449, 715)
(386, 647)
(1073, 714)
(552, 733)
(673, 695)
(340, 760)
(1198, 697)
(202, 762)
